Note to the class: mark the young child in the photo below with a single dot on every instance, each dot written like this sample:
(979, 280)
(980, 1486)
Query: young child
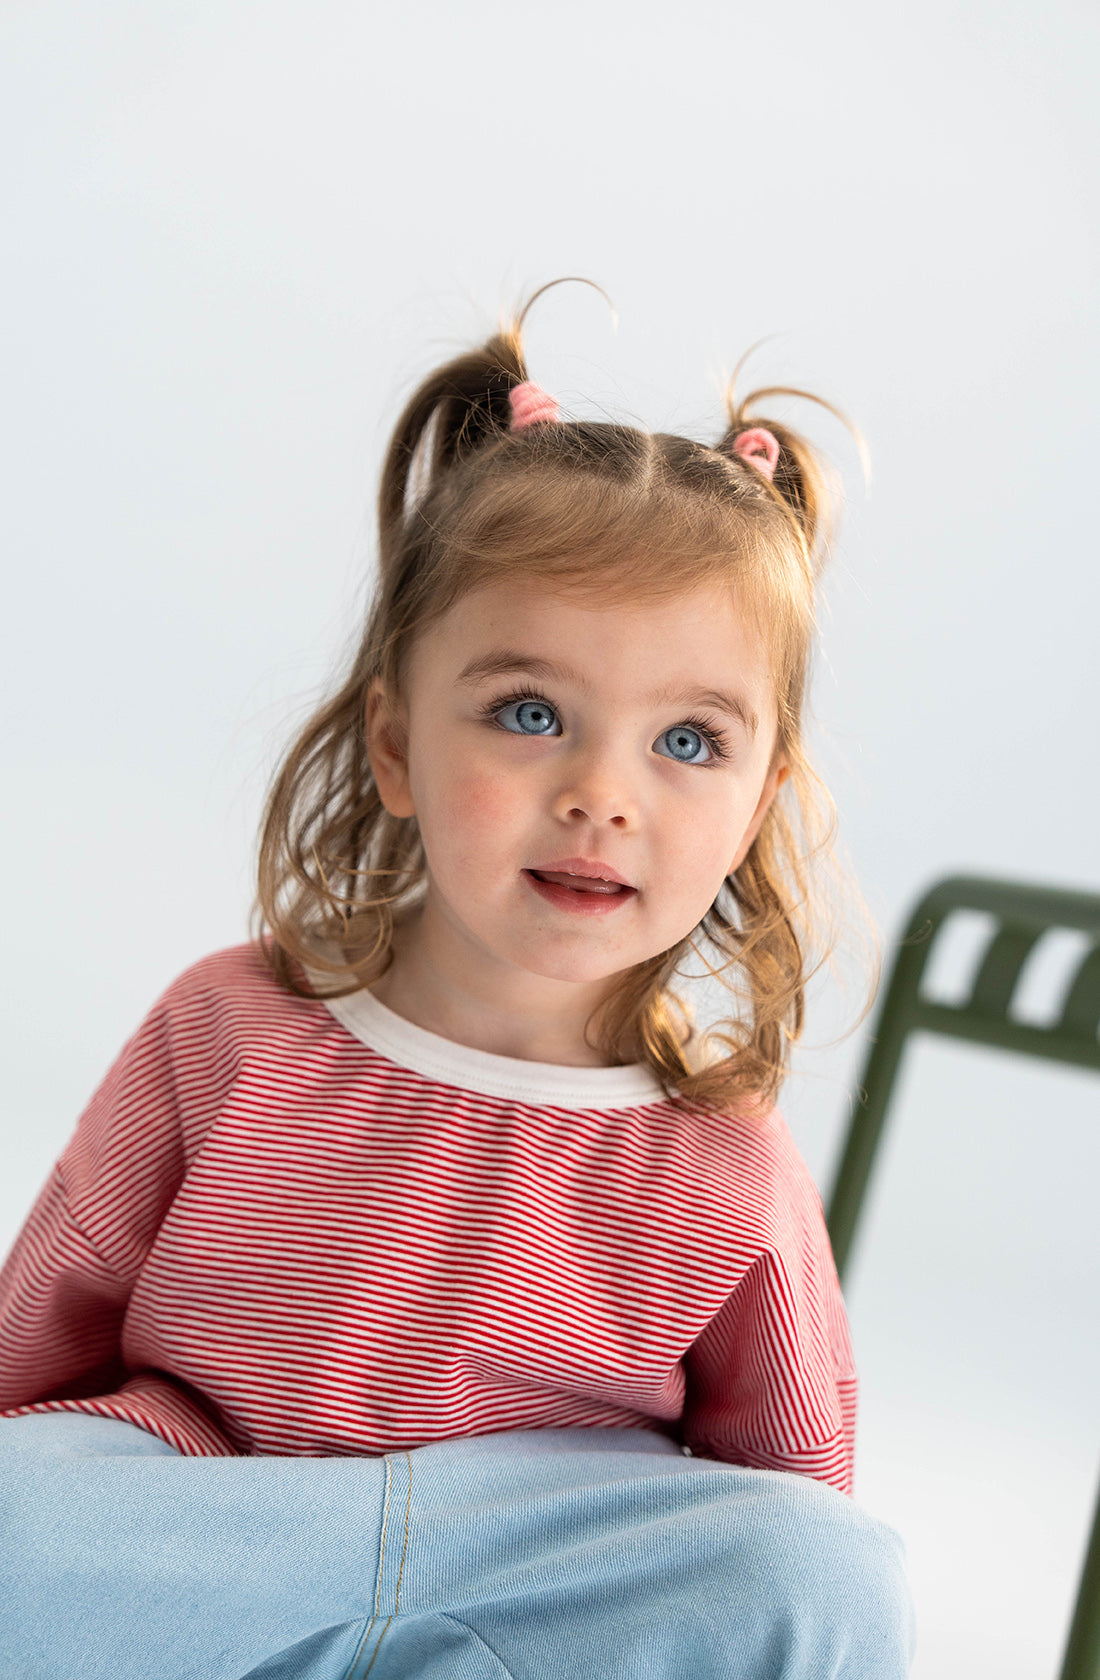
(496, 1309)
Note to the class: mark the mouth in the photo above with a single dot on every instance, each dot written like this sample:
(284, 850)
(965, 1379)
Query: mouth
(579, 895)
(579, 883)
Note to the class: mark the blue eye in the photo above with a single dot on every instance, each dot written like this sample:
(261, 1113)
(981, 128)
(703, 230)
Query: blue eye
(539, 716)
(685, 742)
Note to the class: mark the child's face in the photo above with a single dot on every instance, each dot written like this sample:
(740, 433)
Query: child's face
(595, 767)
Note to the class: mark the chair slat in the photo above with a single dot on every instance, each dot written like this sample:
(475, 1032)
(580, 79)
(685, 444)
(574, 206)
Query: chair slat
(1000, 970)
(1081, 1011)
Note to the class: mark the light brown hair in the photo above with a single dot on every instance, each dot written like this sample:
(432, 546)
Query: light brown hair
(616, 513)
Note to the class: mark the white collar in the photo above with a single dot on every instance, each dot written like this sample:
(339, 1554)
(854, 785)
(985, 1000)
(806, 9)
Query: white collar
(542, 1084)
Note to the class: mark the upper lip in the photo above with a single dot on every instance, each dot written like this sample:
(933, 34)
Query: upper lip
(591, 867)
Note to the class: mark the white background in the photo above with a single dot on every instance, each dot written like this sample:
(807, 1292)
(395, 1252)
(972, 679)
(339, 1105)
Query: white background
(237, 234)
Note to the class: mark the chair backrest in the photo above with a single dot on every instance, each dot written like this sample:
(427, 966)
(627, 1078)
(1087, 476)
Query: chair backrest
(1022, 913)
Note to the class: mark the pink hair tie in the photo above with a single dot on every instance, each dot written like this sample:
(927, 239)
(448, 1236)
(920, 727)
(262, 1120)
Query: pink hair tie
(759, 448)
(530, 404)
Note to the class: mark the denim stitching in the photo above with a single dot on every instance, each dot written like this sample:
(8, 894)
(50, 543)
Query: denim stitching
(400, 1570)
(405, 1547)
(358, 1652)
(377, 1647)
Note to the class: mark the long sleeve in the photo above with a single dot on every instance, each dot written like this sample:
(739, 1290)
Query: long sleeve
(771, 1381)
(61, 1309)
(66, 1285)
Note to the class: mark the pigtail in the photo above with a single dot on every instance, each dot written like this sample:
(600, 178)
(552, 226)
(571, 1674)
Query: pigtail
(458, 408)
(800, 479)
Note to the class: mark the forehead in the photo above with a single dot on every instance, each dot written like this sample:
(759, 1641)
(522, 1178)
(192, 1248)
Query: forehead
(701, 635)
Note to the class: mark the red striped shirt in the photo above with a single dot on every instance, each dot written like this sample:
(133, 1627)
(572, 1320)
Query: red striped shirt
(285, 1226)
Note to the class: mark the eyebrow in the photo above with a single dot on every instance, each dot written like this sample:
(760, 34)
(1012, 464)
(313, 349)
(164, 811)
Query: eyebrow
(507, 659)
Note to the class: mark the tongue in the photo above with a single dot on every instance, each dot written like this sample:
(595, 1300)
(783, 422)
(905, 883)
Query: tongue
(578, 882)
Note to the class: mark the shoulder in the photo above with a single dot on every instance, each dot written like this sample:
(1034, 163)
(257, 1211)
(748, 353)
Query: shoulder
(749, 1157)
(753, 1130)
(233, 967)
(236, 985)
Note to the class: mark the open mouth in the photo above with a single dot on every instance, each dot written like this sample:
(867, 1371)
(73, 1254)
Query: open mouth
(579, 883)
(579, 895)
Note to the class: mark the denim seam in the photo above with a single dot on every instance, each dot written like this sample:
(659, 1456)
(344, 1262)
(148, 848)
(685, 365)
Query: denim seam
(505, 1673)
(350, 1672)
(405, 1545)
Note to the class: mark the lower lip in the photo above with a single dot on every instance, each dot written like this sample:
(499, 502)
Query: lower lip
(580, 903)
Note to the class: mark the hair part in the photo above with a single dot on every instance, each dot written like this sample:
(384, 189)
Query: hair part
(612, 513)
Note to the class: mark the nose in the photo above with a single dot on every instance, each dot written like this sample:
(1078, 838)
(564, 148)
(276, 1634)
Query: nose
(595, 783)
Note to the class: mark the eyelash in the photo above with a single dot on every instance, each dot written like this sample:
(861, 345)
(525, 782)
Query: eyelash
(717, 740)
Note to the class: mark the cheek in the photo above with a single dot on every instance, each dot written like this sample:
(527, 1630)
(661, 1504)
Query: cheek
(702, 857)
(700, 843)
(475, 807)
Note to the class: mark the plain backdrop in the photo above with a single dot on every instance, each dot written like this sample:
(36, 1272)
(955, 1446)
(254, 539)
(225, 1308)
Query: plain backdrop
(236, 234)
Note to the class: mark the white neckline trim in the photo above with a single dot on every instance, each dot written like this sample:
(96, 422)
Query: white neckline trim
(509, 1077)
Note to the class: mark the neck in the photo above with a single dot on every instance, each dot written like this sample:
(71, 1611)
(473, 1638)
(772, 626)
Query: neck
(429, 995)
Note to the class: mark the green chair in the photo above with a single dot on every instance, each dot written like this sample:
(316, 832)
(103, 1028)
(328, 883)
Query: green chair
(1023, 913)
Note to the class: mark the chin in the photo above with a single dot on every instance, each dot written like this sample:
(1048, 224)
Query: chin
(569, 968)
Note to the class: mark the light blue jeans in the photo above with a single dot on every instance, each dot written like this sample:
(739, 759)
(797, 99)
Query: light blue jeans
(558, 1554)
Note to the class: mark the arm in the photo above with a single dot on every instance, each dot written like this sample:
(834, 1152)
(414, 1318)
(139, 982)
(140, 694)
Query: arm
(61, 1309)
(771, 1382)
(66, 1285)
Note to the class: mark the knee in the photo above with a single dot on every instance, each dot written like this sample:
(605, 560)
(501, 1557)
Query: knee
(828, 1578)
